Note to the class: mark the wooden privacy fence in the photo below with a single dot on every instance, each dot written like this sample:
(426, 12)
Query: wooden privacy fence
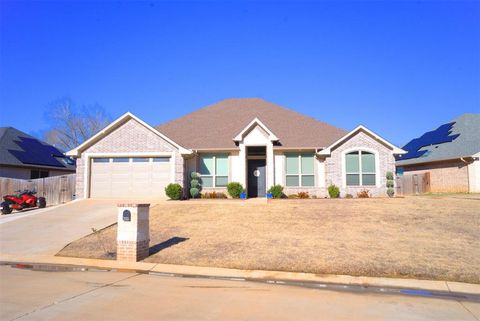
(413, 184)
(55, 189)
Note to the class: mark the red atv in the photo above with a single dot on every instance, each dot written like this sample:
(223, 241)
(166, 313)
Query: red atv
(22, 200)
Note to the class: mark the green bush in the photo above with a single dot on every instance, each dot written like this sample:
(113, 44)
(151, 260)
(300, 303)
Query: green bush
(390, 184)
(333, 191)
(276, 191)
(174, 191)
(194, 183)
(194, 192)
(234, 189)
(390, 192)
(389, 175)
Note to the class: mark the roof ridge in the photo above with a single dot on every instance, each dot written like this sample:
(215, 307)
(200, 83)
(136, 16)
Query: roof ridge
(214, 122)
(216, 104)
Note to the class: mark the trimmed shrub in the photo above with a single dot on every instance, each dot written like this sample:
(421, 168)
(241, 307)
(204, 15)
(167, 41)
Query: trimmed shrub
(303, 195)
(276, 191)
(390, 192)
(292, 196)
(194, 183)
(390, 184)
(364, 194)
(234, 189)
(174, 191)
(349, 196)
(194, 192)
(333, 191)
(389, 175)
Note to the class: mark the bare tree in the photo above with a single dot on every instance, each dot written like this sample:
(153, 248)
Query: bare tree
(71, 126)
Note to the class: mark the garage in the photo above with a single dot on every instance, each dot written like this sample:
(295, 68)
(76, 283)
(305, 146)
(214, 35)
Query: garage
(129, 177)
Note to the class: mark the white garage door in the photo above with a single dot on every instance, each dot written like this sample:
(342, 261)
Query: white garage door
(129, 177)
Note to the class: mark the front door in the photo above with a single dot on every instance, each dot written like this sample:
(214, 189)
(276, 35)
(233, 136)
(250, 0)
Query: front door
(256, 178)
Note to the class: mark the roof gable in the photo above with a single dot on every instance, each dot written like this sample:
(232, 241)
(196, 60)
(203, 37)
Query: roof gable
(214, 126)
(250, 126)
(115, 124)
(327, 151)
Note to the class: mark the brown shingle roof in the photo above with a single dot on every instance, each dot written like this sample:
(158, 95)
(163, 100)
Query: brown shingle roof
(216, 125)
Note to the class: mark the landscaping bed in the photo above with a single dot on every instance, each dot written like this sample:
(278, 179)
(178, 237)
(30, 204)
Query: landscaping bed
(418, 237)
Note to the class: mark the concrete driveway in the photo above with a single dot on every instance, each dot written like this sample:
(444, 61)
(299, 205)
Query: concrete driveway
(47, 231)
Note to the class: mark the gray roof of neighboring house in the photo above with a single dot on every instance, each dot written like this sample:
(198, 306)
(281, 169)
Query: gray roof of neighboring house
(216, 125)
(464, 133)
(20, 149)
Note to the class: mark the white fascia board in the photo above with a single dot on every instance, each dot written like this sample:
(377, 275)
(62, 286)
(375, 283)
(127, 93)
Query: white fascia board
(327, 151)
(257, 121)
(128, 115)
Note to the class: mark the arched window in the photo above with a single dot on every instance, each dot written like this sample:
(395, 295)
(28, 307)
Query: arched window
(360, 168)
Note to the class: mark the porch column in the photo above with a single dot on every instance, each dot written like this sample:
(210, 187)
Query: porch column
(270, 165)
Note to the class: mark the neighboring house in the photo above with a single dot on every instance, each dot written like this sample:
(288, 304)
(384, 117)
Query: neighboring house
(251, 141)
(449, 153)
(25, 157)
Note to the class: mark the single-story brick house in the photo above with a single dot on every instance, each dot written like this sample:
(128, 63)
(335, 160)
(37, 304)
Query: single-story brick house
(450, 153)
(251, 141)
(25, 157)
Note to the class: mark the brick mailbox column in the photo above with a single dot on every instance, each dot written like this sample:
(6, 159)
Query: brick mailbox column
(133, 234)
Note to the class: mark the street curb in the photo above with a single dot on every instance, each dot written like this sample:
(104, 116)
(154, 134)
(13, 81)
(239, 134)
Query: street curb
(325, 285)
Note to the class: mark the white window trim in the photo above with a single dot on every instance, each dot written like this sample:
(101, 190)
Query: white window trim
(214, 175)
(89, 156)
(300, 174)
(344, 166)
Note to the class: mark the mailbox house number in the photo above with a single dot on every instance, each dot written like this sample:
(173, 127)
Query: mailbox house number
(127, 216)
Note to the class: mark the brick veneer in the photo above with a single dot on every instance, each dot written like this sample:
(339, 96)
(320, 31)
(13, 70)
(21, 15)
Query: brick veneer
(129, 137)
(333, 164)
(445, 177)
(132, 251)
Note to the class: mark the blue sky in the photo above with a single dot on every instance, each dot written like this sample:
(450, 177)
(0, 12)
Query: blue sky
(400, 68)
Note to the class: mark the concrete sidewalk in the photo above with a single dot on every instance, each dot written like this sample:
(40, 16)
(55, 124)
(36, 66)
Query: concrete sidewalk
(445, 286)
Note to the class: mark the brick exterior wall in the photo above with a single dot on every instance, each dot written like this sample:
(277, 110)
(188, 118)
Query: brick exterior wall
(333, 165)
(319, 192)
(129, 137)
(445, 177)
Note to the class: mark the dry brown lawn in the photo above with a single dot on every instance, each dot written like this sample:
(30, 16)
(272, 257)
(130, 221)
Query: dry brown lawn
(426, 237)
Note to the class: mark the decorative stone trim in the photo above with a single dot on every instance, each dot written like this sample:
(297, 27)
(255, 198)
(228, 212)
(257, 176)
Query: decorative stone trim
(132, 205)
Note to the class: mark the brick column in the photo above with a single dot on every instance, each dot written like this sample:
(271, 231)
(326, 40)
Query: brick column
(133, 234)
